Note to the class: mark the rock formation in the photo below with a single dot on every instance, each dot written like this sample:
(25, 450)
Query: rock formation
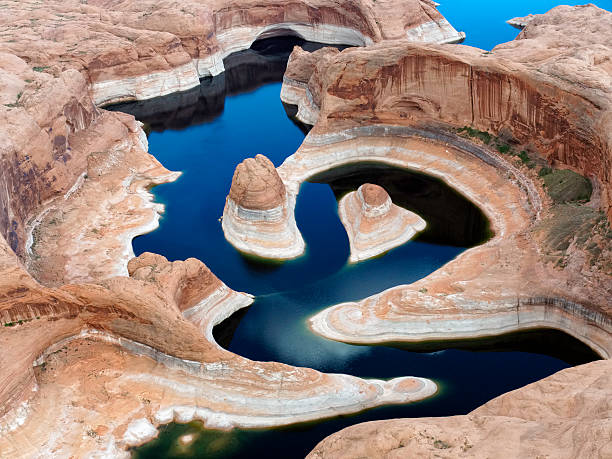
(547, 93)
(520, 22)
(200, 296)
(549, 90)
(258, 216)
(130, 353)
(137, 50)
(374, 224)
(568, 421)
(133, 352)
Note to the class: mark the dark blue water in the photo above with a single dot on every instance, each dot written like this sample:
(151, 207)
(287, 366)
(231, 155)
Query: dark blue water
(205, 133)
(484, 21)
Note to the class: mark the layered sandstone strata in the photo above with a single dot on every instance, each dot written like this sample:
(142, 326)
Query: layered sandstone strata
(549, 90)
(134, 352)
(258, 217)
(137, 50)
(202, 297)
(374, 224)
(121, 350)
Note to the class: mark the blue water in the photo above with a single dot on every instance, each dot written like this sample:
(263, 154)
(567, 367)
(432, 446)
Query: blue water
(484, 21)
(238, 119)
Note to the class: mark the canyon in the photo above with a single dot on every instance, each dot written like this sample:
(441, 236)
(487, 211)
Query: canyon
(128, 341)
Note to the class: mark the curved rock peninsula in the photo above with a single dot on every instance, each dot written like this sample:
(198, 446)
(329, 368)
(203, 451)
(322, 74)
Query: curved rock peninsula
(258, 217)
(408, 105)
(374, 224)
(505, 284)
(129, 344)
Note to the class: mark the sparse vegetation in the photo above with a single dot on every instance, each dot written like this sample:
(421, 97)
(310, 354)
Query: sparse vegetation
(484, 136)
(40, 68)
(503, 148)
(501, 145)
(16, 103)
(565, 186)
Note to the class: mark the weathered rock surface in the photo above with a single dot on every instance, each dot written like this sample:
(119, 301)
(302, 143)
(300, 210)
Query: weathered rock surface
(125, 351)
(258, 217)
(374, 224)
(567, 415)
(548, 92)
(139, 351)
(136, 50)
(200, 296)
(520, 22)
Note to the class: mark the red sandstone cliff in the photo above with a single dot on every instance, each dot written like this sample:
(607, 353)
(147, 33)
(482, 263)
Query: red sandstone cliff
(550, 90)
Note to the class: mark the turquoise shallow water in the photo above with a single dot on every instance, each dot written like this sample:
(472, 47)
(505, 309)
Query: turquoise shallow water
(205, 133)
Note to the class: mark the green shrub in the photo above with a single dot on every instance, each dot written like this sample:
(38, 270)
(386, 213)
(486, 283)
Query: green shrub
(484, 136)
(544, 171)
(503, 148)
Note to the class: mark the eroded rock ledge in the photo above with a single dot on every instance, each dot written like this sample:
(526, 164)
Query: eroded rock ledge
(564, 416)
(549, 90)
(138, 50)
(401, 104)
(133, 352)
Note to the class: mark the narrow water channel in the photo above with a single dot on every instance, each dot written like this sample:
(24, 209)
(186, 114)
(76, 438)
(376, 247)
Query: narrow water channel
(205, 133)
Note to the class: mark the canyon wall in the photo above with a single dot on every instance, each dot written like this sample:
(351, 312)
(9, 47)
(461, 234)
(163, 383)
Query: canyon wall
(43, 127)
(137, 50)
(548, 91)
(58, 60)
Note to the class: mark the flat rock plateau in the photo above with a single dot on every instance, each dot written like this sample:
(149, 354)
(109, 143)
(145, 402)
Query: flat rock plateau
(98, 348)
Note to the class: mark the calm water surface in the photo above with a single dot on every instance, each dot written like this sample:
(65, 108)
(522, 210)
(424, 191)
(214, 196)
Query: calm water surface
(205, 133)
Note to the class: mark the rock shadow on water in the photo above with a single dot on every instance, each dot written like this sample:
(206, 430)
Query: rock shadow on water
(543, 341)
(451, 218)
(265, 62)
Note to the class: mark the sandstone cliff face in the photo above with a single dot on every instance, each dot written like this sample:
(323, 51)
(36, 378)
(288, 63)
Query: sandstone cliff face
(135, 50)
(41, 126)
(549, 90)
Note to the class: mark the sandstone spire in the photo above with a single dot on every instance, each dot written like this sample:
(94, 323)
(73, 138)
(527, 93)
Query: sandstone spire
(258, 217)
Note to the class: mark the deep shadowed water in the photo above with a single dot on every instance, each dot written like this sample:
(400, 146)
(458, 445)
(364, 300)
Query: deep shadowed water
(205, 133)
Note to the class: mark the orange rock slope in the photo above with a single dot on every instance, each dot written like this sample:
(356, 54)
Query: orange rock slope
(130, 345)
